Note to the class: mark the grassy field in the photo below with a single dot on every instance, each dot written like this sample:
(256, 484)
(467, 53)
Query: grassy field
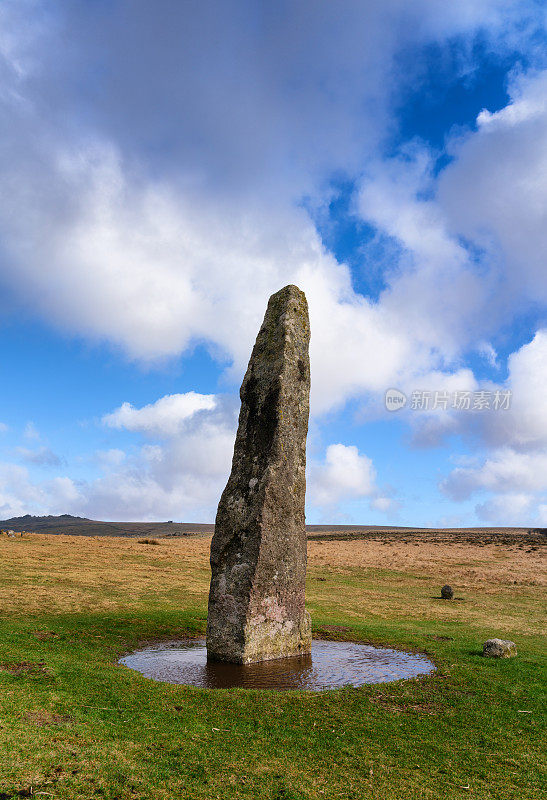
(75, 724)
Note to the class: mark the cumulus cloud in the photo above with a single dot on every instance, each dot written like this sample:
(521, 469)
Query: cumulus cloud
(31, 431)
(21, 494)
(151, 194)
(473, 235)
(494, 192)
(382, 504)
(515, 467)
(41, 457)
(345, 474)
(178, 472)
(522, 425)
(17, 492)
(110, 458)
(506, 510)
(153, 258)
(162, 418)
(505, 471)
(471, 241)
(431, 425)
(435, 294)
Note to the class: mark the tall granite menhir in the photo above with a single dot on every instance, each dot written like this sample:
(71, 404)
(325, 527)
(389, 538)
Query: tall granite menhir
(258, 552)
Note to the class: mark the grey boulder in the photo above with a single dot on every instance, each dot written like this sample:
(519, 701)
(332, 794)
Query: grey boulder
(499, 648)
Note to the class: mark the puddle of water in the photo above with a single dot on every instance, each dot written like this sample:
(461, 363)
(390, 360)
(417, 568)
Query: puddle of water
(329, 666)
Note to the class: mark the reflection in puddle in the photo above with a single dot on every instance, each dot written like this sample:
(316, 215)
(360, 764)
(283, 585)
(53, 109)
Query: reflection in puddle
(330, 666)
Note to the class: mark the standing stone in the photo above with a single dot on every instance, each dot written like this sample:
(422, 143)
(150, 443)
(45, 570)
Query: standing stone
(258, 552)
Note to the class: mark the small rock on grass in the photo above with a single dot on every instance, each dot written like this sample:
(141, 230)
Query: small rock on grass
(447, 592)
(499, 648)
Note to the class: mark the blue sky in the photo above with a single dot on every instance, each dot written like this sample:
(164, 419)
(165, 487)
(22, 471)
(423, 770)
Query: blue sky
(165, 167)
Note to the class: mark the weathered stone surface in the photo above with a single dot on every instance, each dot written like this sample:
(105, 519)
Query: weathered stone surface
(499, 648)
(447, 592)
(258, 552)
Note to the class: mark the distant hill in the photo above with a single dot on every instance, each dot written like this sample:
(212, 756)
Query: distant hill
(80, 526)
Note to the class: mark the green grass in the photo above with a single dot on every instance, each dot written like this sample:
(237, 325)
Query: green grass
(75, 724)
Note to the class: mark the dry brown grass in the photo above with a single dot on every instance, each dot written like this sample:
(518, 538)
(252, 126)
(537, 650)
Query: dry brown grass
(464, 565)
(380, 578)
(42, 573)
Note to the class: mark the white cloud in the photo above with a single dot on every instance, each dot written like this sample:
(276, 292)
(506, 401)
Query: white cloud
(436, 295)
(471, 255)
(514, 469)
(474, 236)
(110, 458)
(160, 209)
(504, 471)
(3, 427)
(155, 241)
(181, 477)
(344, 474)
(433, 421)
(63, 493)
(486, 350)
(495, 192)
(525, 426)
(30, 431)
(20, 494)
(17, 493)
(162, 418)
(383, 504)
(178, 474)
(505, 510)
(42, 456)
(522, 426)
